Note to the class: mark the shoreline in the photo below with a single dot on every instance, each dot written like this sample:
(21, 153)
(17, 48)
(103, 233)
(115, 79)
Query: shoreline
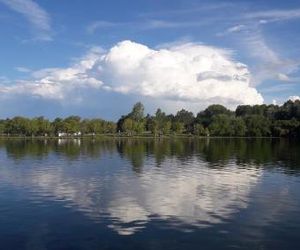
(112, 136)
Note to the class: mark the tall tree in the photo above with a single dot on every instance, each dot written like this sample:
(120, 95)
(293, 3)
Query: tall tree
(137, 113)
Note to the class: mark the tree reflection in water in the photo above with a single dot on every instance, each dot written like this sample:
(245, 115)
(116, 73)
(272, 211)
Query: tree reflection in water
(187, 183)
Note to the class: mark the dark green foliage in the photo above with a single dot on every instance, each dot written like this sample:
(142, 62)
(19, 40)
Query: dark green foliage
(286, 128)
(215, 120)
(186, 118)
(137, 113)
(238, 127)
(178, 127)
(200, 130)
(134, 122)
(20, 126)
(289, 110)
(220, 125)
(205, 117)
(258, 125)
(225, 125)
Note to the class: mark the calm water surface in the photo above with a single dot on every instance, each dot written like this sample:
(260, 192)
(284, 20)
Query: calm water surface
(150, 194)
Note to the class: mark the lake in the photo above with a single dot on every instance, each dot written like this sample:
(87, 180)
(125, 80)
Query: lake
(150, 194)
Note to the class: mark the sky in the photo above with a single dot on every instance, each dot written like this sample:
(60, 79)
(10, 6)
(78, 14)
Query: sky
(97, 58)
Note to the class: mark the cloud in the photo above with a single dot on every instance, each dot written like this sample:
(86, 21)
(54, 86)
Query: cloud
(133, 202)
(233, 29)
(102, 24)
(191, 204)
(283, 77)
(236, 28)
(146, 24)
(163, 24)
(188, 73)
(269, 63)
(249, 32)
(202, 8)
(23, 69)
(36, 15)
(4, 80)
(288, 78)
(274, 15)
(181, 72)
(294, 98)
(278, 88)
(58, 83)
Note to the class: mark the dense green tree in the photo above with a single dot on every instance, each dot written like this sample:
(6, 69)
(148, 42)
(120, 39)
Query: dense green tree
(110, 127)
(289, 110)
(58, 125)
(215, 120)
(258, 125)
(243, 110)
(186, 118)
(205, 117)
(153, 126)
(43, 126)
(178, 127)
(72, 124)
(220, 125)
(136, 120)
(160, 116)
(18, 126)
(139, 126)
(238, 127)
(271, 111)
(2, 127)
(166, 129)
(128, 125)
(137, 113)
(200, 130)
(286, 127)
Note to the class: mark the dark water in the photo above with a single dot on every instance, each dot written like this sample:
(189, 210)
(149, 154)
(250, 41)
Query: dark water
(150, 194)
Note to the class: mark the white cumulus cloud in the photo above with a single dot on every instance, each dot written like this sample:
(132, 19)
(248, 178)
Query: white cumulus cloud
(189, 73)
(58, 83)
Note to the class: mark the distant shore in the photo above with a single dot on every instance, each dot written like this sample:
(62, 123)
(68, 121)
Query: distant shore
(117, 136)
(258, 121)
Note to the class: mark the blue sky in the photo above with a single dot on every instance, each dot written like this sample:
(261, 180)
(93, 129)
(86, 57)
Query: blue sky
(97, 58)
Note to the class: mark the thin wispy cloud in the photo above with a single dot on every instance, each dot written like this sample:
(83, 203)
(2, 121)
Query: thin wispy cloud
(23, 69)
(252, 20)
(233, 29)
(240, 21)
(236, 28)
(4, 80)
(145, 24)
(248, 29)
(274, 15)
(162, 24)
(270, 64)
(92, 27)
(277, 88)
(35, 14)
(204, 7)
(287, 78)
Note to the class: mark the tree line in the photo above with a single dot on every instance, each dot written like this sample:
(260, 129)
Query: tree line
(216, 120)
(221, 150)
(41, 126)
